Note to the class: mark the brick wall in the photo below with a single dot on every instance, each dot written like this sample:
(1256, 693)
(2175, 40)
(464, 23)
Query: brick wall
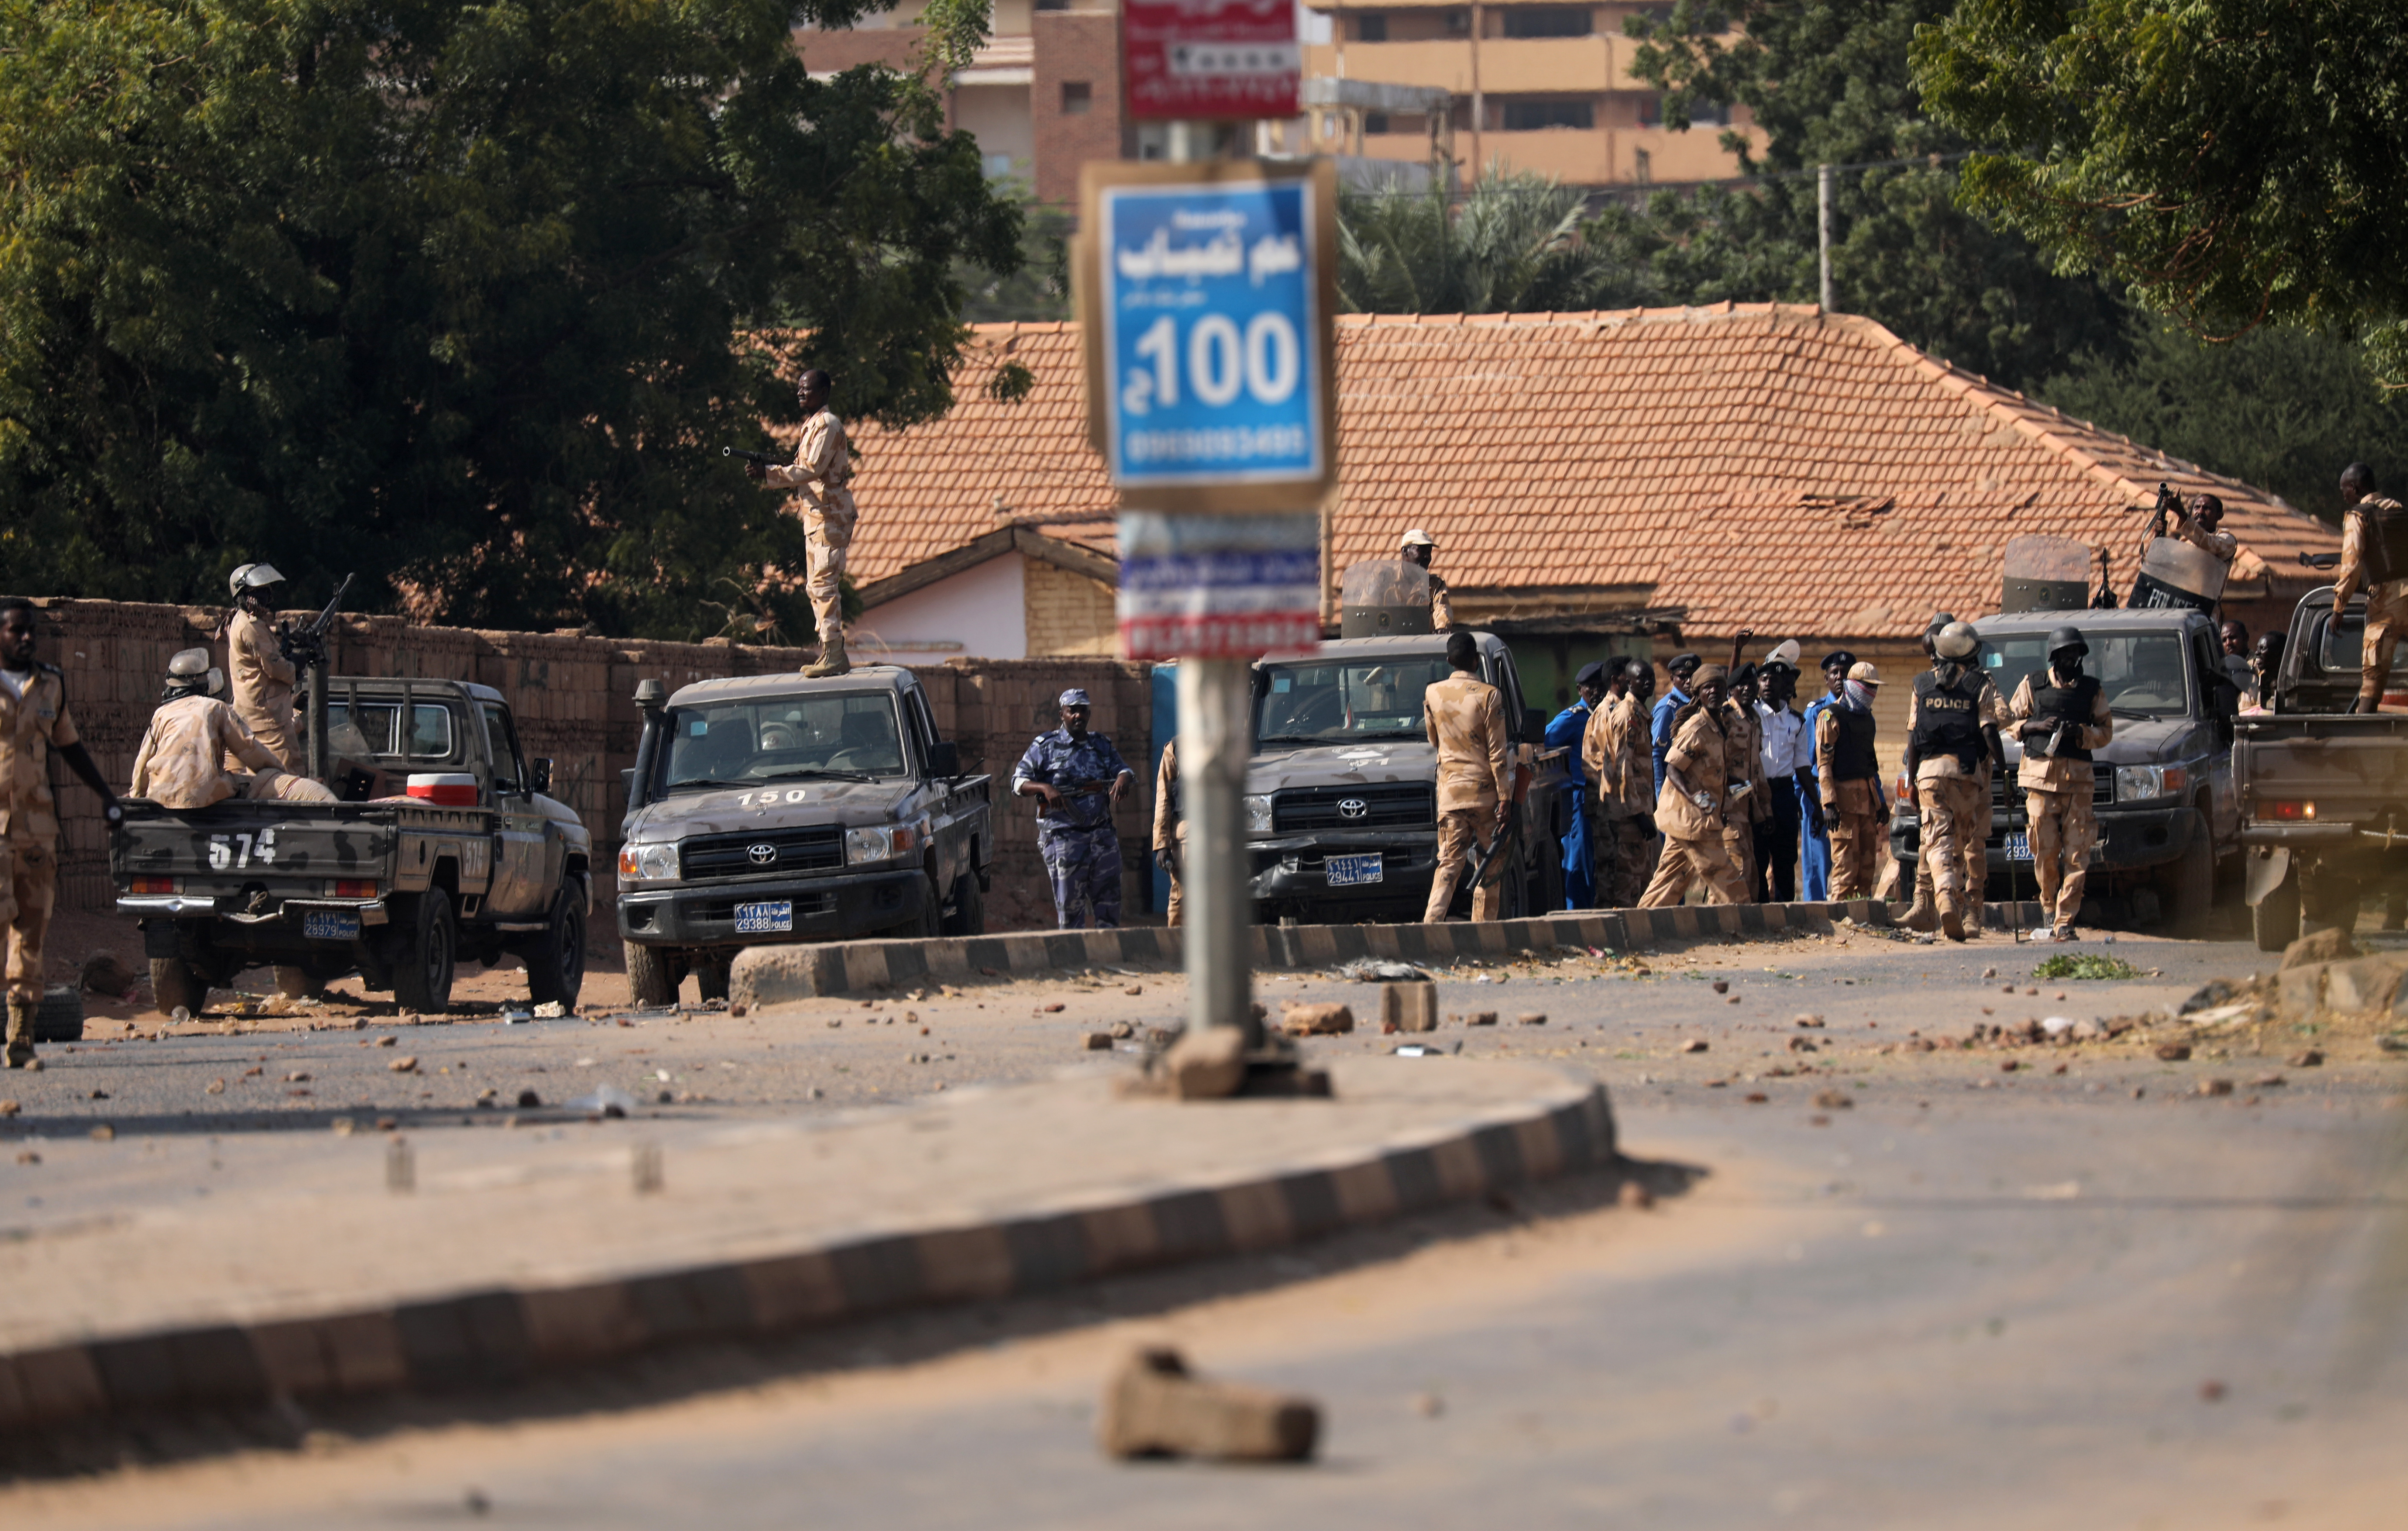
(1075, 47)
(1066, 612)
(574, 697)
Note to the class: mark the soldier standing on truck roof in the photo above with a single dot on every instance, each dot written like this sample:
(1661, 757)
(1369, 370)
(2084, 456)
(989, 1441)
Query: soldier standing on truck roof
(1081, 778)
(1849, 773)
(2063, 717)
(1169, 828)
(2374, 558)
(34, 723)
(263, 677)
(182, 762)
(1699, 775)
(1419, 547)
(1626, 790)
(1952, 732)
(1464, 717)
(1568, 730)
(823, 473)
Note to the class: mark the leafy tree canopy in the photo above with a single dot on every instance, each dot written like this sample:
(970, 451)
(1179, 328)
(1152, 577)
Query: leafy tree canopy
(1828, 83)
(461, 297)
(1513, 245)
(2236, 162)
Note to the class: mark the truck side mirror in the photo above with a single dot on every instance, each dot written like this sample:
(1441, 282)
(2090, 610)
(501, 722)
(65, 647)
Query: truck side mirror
(945, 759)
(540, 774)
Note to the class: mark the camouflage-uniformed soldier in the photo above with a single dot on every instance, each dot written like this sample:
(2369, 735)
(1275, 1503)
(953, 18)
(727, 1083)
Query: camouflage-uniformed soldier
(34, 724)
(1952, 734)
(2063, 716)
(182, 762)
(1850, 775)
(1746, 736)
(1169, 827)
(262, 675)
(1418, 547)
(1626, 790)
(1464, 717)
(2362, 556)
(821, 472)
(1081, 778)
(1972, 848)
(1699, 777)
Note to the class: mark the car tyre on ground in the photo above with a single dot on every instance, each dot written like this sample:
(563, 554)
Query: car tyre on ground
(652, 976)
(557, 961)
(2189, 885)
(966, 915)
(421, 980)
(921, 926)
(2274, 919)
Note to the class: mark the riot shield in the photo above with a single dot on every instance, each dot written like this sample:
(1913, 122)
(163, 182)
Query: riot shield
(2045, 574)
(1384, 597)
(2176, 575)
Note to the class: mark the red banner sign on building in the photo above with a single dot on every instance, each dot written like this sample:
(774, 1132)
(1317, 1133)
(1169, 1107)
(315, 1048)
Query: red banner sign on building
(1209, 58)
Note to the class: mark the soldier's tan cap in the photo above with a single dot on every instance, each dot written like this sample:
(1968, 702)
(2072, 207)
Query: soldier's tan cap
(1708, 675)
(1863, 670)
(1417, 538)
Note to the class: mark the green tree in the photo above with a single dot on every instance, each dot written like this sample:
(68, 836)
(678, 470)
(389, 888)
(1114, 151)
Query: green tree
(1829, 82)
(2236, 162)
(1513, 245)
(2282, 408)
(465, 298)
(1039, 289)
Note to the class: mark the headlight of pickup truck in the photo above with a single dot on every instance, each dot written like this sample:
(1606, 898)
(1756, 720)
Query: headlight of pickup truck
(656, 862)
(878, 844)
(2139, 783)
(1258, 814)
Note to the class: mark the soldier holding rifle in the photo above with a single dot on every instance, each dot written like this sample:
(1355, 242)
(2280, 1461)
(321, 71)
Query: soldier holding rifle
(821, 472)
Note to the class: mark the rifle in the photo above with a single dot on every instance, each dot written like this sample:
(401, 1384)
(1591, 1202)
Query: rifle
(305, 645)
(759, 459)
(2321, 561)
(2167, 500)
(2105, 599)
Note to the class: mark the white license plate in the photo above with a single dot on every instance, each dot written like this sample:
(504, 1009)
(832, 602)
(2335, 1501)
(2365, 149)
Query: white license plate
(763, 919)
(2019, 847)
(329, 925)
(1355, 871)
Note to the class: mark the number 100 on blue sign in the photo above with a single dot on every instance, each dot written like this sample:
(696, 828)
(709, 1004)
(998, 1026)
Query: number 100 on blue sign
(1212, 340)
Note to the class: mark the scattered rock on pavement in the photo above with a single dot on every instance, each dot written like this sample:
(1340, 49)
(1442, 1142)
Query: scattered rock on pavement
(1832, 1100)
(1121, 1031)
(1408, 1007)
(1808, 1020)
(1373, 970)
(1205, 1064)
(2215, 1087)
(2330, 945)
(1099, 1041)
(2309, 1059)
(1316, 1020)
(103, 974)
(1153, 1407)
(1532, 1018)
(2173, 1052)
(404, 1065)
(1694, 1044)
(1482, 1017)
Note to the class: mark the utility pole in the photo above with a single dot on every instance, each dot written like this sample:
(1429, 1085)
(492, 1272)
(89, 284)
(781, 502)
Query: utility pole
(1823, 227)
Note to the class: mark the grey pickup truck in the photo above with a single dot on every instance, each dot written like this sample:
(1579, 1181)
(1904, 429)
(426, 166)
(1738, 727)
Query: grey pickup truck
(771, 809)
(1342, 793)
(396, 888)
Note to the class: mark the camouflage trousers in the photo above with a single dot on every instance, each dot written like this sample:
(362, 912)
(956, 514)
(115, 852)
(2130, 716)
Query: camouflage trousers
(1859, 841)
(2064, 828)
(1084, 868)
(826, 540)
(1459, 832)
(1685, 862)
(33, 892)
(277, 725)
(1625, 859)
(1955, 867)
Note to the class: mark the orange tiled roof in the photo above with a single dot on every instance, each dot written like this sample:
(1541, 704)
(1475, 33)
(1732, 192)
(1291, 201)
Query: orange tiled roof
(1764, 466)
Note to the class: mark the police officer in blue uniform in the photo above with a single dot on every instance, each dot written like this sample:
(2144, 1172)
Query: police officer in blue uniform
(1079, 779)
(1566, 731)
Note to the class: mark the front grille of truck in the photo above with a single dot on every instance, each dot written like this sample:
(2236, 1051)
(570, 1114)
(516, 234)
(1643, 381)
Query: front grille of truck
(818, 849)
(1393, 804)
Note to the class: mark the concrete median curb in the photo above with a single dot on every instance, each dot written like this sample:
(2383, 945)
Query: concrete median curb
(500, 1334)
(776, 975)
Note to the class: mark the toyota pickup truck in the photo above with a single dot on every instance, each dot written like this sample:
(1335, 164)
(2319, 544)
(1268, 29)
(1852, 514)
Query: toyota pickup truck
(398, 889)
(2325, 791)
(2168, 817)
(1342, 793)
(772, 809)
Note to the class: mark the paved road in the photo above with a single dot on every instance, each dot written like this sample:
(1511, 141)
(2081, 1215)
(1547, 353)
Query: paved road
(1969, 1297)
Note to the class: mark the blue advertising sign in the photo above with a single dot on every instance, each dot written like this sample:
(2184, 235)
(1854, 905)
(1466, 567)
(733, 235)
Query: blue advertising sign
(1208, 300)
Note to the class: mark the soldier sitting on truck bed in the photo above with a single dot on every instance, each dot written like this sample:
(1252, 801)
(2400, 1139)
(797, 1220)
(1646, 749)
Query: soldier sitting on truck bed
(2374, 558)
(182, 762)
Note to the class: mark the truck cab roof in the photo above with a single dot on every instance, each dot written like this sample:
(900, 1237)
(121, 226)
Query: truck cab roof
(2145, 620)
(894, 678)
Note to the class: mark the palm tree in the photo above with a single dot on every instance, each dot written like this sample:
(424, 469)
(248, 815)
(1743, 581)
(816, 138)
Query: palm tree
(1512, 246)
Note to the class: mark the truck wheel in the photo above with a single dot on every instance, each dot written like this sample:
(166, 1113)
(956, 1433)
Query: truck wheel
(173, 982)
(2275, 919)
(2188, 887)
(421, 980)
(650, 976)
(557, 961)
(969, 917)
(921, 926)
(60, 1016)
(298, 982)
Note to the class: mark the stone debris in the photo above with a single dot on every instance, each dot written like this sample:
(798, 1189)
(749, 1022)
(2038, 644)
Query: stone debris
(1121, 1031)
(1154, 1406)
(1408, 1006)
(2215, 1087)
(1052, 1007)
(1531, 1018)
(1722, 986)
(1694, 1044)
(2309, 1059)
(1808, 1020)
(103, 1134)
(103, 974)
(552, 1010)
(404, 1066)
(1133, 990)
(1373, 970)
(1207, 1064)
(2173, 1051)
(215, 1087)
(2268, 1082)
(529, 1100)
(1099, 1041)
(2329, 945)
(1325, 1019)
(1832, 1100)
(1803, 1044)
(1481, 1018)
(10, 1108)
(386, 1041)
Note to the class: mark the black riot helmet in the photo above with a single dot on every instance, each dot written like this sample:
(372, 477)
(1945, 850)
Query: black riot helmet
(2067, 644)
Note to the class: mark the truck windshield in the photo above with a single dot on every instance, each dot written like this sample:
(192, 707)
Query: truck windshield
(841, 734)
(2142, 673)
(1339, 700)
